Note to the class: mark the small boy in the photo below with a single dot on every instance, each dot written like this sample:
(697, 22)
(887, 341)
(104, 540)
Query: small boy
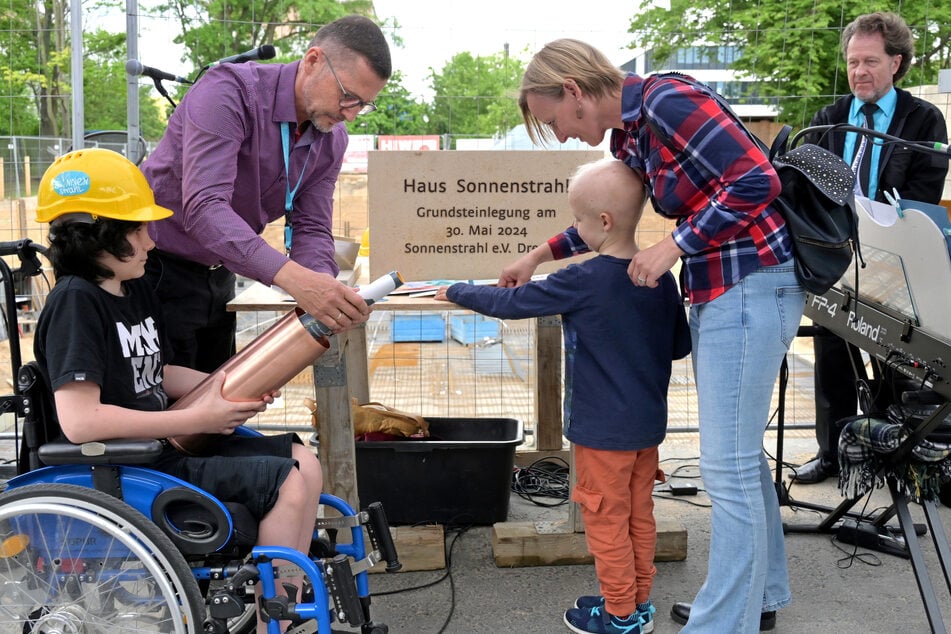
(102, 347)
(620, 340)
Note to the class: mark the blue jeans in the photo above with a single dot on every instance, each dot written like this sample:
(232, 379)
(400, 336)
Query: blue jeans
(739, 340)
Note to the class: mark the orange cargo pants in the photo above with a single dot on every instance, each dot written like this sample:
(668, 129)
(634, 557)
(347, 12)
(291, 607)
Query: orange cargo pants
(614, 492)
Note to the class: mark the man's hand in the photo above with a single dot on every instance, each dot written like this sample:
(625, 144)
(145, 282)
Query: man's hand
(322, 297)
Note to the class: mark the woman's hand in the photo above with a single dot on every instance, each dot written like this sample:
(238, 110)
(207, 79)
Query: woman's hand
(649, 265)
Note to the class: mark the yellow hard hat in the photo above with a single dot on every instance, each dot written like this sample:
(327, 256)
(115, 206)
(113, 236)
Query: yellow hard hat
(99, 183)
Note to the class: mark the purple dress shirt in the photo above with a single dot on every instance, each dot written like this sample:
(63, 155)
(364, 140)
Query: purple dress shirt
(220, 168)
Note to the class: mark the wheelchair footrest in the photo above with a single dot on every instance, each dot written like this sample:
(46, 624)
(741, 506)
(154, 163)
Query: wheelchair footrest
(378, 529)
(343, 589)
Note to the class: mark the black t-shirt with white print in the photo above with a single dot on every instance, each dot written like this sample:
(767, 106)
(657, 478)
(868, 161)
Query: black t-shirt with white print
(85, 333)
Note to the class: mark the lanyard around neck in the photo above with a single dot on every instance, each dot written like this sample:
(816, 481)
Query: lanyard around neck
(289, 195)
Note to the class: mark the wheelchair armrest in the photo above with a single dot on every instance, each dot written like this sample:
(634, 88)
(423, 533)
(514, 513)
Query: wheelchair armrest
(119, 451)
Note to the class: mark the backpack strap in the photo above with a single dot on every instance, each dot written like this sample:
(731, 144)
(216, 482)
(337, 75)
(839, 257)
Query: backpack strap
(663, 138)
(825, 176)
(781, 143)
(723, 103)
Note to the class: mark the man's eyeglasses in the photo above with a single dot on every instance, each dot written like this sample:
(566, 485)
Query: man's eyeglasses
(348, 99)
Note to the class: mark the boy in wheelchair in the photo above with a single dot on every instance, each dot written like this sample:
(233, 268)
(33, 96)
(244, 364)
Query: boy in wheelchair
(100, 344)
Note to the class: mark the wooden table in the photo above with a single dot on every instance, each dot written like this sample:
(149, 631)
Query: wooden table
(341, 374)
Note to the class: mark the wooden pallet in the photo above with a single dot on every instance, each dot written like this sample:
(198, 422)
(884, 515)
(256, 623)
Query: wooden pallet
(554, 543)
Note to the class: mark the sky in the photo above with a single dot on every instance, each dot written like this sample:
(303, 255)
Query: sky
(434, 31)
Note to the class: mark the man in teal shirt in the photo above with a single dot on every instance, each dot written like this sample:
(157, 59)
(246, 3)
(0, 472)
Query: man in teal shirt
(878, 49)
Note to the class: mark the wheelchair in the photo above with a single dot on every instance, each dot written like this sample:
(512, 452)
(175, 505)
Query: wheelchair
(92, 540)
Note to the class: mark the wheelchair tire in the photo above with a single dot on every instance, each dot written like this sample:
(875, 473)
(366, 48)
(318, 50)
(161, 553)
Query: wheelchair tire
(74, 559)
(246, 623)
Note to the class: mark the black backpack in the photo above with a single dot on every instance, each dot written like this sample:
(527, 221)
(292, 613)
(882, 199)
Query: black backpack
(817, 200)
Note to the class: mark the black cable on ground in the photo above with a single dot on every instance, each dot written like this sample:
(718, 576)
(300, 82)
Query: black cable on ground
(544, 478)
(457, 533)
(852, 555)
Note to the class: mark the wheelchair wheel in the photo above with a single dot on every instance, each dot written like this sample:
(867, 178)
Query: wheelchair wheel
(75, 560)
(246, 623)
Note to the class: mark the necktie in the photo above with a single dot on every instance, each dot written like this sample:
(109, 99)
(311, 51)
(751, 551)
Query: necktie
(862, 161)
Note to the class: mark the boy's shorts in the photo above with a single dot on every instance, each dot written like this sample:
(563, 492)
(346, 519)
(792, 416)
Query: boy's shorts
(247, 470)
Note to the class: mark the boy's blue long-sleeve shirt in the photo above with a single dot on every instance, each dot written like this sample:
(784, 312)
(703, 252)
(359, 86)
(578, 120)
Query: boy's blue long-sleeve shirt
(620, 340)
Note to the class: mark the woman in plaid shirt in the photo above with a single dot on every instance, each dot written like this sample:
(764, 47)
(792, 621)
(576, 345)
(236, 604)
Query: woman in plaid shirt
(745, 301)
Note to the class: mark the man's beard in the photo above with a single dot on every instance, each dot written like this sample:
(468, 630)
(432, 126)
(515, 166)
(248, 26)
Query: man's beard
(323, 122)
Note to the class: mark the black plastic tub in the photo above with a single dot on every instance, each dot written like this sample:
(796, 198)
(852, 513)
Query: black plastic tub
(460, 476)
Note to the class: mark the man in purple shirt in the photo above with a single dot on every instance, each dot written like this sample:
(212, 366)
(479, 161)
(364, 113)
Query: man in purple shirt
(247, 145)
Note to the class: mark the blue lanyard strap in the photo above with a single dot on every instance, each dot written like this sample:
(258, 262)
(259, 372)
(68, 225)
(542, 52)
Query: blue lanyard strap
(289, 195)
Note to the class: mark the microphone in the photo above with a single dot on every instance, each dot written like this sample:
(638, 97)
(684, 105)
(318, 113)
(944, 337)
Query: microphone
(266, 51)
(135, 68)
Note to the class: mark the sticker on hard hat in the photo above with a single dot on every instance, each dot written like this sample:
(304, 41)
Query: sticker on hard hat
(71, 183)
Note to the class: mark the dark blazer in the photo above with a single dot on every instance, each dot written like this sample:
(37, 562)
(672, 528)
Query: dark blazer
(916, 175)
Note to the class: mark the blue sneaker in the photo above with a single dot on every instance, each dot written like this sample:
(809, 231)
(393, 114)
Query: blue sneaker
(645, 610)
(646, 613)
(590, 601)
(597, 621)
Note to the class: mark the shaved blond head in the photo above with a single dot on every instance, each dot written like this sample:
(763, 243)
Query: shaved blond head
(608, 186)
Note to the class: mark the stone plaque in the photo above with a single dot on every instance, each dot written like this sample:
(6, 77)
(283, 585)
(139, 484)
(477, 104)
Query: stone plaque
(462, 215)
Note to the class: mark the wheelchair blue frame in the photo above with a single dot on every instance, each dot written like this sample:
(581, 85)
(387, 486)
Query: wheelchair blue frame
(141, 486)
(41, 529)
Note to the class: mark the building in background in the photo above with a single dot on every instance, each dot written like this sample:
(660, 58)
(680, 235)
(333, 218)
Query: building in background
(711, 65)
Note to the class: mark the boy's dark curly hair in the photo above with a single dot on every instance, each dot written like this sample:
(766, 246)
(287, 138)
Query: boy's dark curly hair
(75, 246)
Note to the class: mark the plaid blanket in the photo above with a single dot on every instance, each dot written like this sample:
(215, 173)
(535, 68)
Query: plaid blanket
(864, 447)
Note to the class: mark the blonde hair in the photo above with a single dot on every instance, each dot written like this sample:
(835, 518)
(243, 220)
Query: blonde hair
(557, 62)
(608, 185)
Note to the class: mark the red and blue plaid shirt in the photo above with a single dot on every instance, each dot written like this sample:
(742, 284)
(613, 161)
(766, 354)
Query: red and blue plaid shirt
(719, 185)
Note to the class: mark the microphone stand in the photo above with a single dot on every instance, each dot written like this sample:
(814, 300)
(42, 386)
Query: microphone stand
(885, 542)
(161, 89)
(244, 57)
(929, 147)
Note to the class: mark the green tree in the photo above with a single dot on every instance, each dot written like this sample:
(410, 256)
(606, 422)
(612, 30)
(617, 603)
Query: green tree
(792, 46)
(474, 96)
(104, 88)
(38, 90)
(397, 112)
(36, 72)
(212, 29)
